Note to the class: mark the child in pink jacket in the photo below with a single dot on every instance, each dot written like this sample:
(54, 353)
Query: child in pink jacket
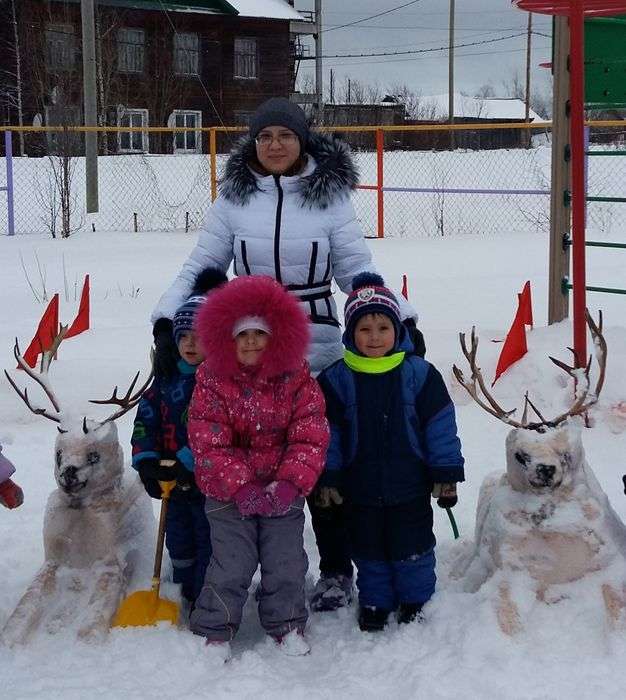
(11, 495)
(259, 436)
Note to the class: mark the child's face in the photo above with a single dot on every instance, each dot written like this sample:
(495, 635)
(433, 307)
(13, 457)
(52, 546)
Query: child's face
(189, 348)
(250, 345)
(374, 335)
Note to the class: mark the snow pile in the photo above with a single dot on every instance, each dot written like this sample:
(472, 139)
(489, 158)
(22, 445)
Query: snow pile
(547, 538)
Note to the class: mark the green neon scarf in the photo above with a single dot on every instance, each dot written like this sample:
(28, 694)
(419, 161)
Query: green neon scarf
(372, 365)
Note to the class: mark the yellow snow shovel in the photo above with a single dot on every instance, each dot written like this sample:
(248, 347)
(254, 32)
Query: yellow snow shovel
(144, 608)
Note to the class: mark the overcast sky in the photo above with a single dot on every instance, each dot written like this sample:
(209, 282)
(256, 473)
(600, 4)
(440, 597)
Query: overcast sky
(424, 25)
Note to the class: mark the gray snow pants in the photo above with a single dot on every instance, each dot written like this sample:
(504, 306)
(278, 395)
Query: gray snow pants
(239, 546)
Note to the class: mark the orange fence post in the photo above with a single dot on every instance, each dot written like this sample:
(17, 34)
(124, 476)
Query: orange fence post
(213, 152)
(380, 152)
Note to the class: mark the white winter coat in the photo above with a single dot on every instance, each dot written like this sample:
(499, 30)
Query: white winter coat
(301, 230)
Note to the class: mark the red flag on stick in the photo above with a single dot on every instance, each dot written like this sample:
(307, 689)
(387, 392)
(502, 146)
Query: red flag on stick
(46, 331)
(405, 289)
(81, 322)
(514, 347)
(526, 304)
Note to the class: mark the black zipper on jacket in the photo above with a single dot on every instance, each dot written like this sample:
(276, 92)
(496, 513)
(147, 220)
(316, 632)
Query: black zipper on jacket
(279, 211)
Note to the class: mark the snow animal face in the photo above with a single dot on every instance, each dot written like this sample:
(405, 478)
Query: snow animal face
(87, 463)
(542, 462)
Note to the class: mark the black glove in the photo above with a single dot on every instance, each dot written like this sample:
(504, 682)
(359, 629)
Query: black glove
(152, 487)
(445, 495)
(624, 480)
(415, 336)
(185, 479)
(151, 468)
(165, 351)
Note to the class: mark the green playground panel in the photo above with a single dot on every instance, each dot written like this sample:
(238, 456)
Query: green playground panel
(605, 62)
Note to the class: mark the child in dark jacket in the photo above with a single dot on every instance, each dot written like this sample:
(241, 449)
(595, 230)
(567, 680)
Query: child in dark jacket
(160, 433)
(393, 443)
(11, 495)
(259, 437)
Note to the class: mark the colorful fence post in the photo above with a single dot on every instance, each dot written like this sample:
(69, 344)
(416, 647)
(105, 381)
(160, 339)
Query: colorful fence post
(213, 153)
(380, 152)
(8, 146)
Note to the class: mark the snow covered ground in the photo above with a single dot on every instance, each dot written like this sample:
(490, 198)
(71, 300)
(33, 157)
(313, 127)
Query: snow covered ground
(459, 652)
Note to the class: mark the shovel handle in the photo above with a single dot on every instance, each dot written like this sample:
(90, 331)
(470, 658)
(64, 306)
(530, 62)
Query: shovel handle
(166, 489)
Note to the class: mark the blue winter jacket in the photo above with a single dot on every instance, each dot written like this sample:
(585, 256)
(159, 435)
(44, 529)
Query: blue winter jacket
(160, 428)
(392, 435)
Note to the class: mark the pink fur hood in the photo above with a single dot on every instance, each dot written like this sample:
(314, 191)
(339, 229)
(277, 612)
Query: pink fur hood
(253, 296)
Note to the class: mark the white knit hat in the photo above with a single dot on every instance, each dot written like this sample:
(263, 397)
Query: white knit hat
(247, 323)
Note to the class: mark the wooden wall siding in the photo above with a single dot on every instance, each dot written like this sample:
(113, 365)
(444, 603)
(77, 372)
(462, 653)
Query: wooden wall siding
(157, 89)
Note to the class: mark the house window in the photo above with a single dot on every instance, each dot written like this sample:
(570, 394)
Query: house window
(246, 59)
(130, 50)
(132, 141)
(187, 141)
(60, 46)
(186, 54)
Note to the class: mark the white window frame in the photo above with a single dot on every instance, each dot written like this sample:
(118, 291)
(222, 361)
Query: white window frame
(60, 42)
(240, 57)
(130, 53)
(131, 113)
(186, 56)
(197, 114)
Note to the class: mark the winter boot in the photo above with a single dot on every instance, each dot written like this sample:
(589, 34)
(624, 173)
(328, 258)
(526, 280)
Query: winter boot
(218, 652)
(293, 643)
(372, 619)
(409, 612)
(331, 593)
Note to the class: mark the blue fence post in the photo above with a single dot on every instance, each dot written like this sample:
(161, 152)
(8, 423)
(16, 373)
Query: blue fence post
(8, 149)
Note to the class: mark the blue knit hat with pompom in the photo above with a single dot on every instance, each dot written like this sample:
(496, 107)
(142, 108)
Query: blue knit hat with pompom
(370, 296)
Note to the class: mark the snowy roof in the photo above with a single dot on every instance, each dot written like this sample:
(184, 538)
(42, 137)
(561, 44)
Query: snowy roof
(488, 108)
(274, 9)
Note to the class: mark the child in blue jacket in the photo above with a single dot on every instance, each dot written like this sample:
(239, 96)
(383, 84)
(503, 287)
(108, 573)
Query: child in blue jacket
(160, 432)
(393, 443)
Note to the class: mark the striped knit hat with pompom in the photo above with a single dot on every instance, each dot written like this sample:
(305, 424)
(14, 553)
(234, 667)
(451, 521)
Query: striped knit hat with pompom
(370, 296)
(184, 318)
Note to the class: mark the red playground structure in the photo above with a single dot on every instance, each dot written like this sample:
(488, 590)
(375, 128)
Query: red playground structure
(576, 11)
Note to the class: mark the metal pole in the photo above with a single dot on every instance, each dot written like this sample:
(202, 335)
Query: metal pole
(528, 57)
(451, 72)
(380, 181)
(319, 88)
(8, 149)
(558, 297)
(90, 104)
(577, 127)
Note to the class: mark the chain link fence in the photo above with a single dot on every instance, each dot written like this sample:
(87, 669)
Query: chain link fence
(423, 181)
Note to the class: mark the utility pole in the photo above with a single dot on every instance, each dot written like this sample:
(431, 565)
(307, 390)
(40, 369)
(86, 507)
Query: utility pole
(319, 88)
(528, 55)
(90, 104)
(332, 86)
(451, 72)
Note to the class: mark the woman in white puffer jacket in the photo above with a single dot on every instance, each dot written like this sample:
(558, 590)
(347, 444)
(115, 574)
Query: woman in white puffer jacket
(284, 210)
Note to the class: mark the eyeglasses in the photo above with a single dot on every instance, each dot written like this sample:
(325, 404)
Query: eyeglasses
(286, 139)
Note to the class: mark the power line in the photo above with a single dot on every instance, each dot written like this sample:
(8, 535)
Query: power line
(426, 58)
(365, 19)
(416, 51)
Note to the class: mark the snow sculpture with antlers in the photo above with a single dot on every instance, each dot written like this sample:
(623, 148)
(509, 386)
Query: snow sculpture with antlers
(97, 524)
(545, 525)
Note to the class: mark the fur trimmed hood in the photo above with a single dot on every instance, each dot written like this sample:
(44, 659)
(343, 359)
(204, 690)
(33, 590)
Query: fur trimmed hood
(253, 296)
(335, 174)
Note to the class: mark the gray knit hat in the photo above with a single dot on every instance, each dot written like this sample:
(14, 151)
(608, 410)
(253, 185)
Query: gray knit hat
(278, 111)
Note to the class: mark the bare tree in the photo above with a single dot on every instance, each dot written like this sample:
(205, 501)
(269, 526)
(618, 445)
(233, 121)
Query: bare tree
(485, 91)
(11, 70)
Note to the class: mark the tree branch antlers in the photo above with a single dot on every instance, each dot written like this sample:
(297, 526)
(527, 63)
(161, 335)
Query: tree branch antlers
(126, 402)
(584, 398)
